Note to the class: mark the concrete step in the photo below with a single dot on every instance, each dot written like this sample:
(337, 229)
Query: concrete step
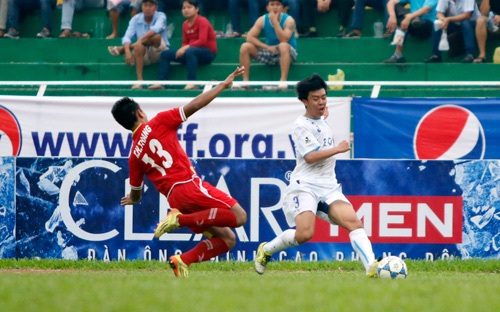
(353, 72)
(311, 50)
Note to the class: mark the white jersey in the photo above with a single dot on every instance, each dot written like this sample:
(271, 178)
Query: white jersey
(311, 135)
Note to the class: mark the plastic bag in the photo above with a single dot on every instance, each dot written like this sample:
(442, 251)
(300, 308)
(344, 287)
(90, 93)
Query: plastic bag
(339, 76)
(399, 38)
(443, 43)
(496, 56)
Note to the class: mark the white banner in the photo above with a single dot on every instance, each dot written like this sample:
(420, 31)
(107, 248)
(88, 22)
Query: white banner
(226, 128)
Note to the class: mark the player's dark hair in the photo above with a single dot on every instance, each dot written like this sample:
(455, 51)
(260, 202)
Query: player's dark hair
(124, 112)
(192, 2)
(313, 83)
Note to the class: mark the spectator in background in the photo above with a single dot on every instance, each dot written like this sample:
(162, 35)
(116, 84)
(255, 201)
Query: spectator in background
(280, 46)
(68, 10)
(4, 4)
(323, 6)
(198, 45)
(485, 25)
(292, 8)
(416, 22)
(358, 16)
(455, 16)
(15, 6)
(149, 28)
(116, 8)
(234, 11)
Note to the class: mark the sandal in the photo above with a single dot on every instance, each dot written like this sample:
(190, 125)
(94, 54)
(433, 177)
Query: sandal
(480, 60)
(353, 34)
(113, 51)
(234, 35)
(65, 34)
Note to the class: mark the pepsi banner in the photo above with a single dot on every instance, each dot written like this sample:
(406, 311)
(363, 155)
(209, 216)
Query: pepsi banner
(227, 128)
(68, 208)
(426, 128)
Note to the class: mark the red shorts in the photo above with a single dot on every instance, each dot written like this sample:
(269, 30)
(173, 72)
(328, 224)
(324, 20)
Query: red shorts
(198, 195)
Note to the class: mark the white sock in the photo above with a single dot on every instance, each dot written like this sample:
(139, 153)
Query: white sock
(363, 247)
(280, 242)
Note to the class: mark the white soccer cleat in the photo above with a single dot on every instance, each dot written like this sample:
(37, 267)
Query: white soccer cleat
(261, 259)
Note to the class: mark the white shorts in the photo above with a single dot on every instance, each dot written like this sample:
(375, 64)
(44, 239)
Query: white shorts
(152, 55)
(306, 197)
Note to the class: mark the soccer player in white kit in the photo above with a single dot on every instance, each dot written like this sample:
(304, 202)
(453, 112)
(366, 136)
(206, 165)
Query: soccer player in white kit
(313, 182)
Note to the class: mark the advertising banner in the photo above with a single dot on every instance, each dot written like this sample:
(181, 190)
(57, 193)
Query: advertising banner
(238, 128)
(68, 208)
(426, 128)
(7, 207)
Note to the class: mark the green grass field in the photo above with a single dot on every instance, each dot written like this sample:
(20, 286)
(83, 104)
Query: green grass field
(56, 285)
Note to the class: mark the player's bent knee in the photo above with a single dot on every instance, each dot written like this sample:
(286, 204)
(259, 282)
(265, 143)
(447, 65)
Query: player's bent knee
(304, 236)
(240, 214)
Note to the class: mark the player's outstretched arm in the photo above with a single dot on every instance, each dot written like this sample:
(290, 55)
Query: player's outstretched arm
(316, 156)
(205, 98)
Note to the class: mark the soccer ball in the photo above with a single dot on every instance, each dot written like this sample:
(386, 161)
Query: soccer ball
(392, 267)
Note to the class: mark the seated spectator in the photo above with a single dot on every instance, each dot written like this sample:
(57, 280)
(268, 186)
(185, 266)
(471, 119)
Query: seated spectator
(280, 46)
(198, 45)
(116, 10)
(149, 28)
(68, 10)
(455, 17)
(4, 4)
(29, 5)
(323, 6)
(482, 28)
(416, 22)
(234, 11)
(358, 16)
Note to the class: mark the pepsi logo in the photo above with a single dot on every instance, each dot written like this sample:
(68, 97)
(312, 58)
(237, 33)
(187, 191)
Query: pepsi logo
(449, 132)
(10, 133)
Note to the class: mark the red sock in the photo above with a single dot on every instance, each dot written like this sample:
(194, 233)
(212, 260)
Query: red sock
(205, 250)
(206, 218)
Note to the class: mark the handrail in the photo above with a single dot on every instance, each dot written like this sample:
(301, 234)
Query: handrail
(209, 84)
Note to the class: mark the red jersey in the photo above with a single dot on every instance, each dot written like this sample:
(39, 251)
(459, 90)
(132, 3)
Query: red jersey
(201, 34)
(157, 153)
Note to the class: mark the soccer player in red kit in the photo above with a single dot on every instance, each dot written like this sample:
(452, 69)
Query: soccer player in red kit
(157, 153)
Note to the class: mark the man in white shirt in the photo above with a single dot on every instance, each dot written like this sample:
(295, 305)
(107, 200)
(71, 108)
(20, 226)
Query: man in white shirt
(314, 190)
(149, 28)
(454, 16)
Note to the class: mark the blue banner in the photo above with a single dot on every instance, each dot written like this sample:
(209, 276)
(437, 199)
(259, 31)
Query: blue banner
(7, 207)
(69, 208)
(426, 128)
